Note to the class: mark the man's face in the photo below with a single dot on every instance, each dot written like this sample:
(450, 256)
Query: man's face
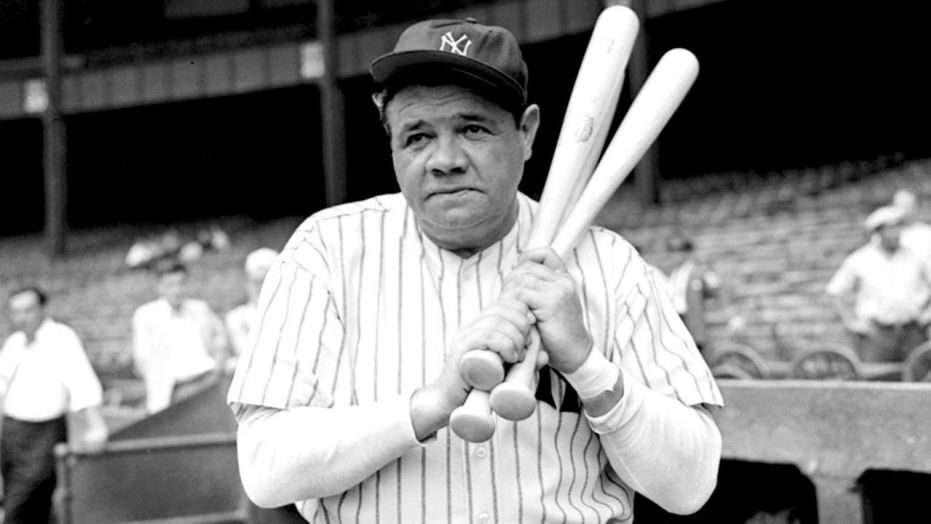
(458, 159)
(889, 235)
(171, 287)
(26, 313)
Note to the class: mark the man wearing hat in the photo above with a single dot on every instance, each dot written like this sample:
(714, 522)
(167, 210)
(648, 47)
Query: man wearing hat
(344, 395)
(882, 291)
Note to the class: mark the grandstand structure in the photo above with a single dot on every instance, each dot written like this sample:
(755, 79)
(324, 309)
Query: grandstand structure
(191, 113)
(777, 246)
(186, 112)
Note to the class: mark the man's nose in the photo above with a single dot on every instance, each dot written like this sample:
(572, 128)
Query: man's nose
(447, 157)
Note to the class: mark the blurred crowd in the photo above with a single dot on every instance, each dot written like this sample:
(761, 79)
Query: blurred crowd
(180, 345)
(881, 291)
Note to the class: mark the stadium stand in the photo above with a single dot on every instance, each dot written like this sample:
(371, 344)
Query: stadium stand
(93, 291)
(776, 237)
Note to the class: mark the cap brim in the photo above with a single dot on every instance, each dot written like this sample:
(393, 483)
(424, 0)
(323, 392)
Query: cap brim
(407, 67)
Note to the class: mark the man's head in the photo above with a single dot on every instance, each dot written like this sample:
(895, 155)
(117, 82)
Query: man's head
(453, 99)
(27, 310)
(257, 265)
(886, 224)
(905, 200)
(680, 248)
(172, 282)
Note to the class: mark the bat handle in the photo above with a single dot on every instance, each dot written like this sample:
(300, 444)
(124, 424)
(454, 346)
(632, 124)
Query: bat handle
(515, 398)
(482, 369)
(473, 421)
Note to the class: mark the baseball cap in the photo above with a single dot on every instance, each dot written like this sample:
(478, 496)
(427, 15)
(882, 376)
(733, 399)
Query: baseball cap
(884, 216)
(480, 55)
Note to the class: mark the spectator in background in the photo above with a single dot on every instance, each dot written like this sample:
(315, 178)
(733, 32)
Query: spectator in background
(882, 291)
(916, 235)
(690, 283)
(44, 375)
(239, 320)
(179, 343)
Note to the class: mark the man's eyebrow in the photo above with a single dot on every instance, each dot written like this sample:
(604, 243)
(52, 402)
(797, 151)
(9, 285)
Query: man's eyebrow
(413, 125)
(474, 117)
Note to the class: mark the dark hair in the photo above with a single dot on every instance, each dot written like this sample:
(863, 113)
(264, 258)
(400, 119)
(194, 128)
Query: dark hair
(385, 92)
(679, 243)
(36, 290)
(167, 267)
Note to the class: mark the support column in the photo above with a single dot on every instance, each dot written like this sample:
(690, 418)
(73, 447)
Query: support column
(646, 172)
(331, 99)
(839, 502)
(54, 138)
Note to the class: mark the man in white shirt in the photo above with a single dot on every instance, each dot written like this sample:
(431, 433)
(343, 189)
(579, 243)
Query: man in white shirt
(690, 284)
(44, 375)
(882, 291)
(240, 319)
(179, 343)
(344, 394)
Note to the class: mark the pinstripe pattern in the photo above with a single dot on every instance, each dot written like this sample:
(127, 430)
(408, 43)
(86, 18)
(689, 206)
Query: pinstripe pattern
(360, 298)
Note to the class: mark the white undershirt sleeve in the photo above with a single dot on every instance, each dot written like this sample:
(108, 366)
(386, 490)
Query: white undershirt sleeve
(311, 452)
(663, 449)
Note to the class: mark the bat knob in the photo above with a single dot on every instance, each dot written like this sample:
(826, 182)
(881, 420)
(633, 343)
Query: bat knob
(473, 421)
(512, 401)
(482, 369)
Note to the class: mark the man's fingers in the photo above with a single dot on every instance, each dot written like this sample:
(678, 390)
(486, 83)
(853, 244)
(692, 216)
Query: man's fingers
(545, 256)
(543, 358)
(505, 343)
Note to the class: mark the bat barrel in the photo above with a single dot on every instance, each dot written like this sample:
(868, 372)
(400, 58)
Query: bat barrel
(654, 105)
(588, 115)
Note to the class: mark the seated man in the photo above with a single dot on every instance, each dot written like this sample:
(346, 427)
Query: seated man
(916, 235)
(240, 319)
(178, 342)
(882, 292)
(690, 283)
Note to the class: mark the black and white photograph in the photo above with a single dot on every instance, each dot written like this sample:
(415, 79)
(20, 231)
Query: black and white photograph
(465, 261)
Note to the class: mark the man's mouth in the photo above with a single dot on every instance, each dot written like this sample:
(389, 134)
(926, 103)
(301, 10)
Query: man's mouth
(456, 191)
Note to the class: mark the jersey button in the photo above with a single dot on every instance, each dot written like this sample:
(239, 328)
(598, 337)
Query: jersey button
(483, 517)
(481, 452)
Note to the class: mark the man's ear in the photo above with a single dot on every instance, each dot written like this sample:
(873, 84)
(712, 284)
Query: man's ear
(529, 123)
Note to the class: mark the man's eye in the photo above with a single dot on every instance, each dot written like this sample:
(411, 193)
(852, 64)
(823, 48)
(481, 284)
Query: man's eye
(474, 130)
(415, 139)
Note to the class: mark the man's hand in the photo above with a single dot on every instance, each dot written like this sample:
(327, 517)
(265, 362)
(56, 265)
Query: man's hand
(859, 325)
(95, 439)
(96, 434)
(502, 327)
(540, 280)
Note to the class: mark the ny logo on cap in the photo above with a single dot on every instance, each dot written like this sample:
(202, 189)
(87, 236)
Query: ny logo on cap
(448, 43)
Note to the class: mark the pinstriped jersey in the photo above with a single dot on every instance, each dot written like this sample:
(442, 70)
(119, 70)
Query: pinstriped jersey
(360, 308)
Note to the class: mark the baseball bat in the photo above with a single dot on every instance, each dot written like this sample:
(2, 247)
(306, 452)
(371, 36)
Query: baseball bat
(582, 136)
(660, 96)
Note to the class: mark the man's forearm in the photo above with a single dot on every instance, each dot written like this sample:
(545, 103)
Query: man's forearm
(308, 452)
(665, 450)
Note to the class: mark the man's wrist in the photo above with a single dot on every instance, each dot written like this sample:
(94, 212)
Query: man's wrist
(598, 382)
(571, 366)
(606, 401)
(429, 412)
